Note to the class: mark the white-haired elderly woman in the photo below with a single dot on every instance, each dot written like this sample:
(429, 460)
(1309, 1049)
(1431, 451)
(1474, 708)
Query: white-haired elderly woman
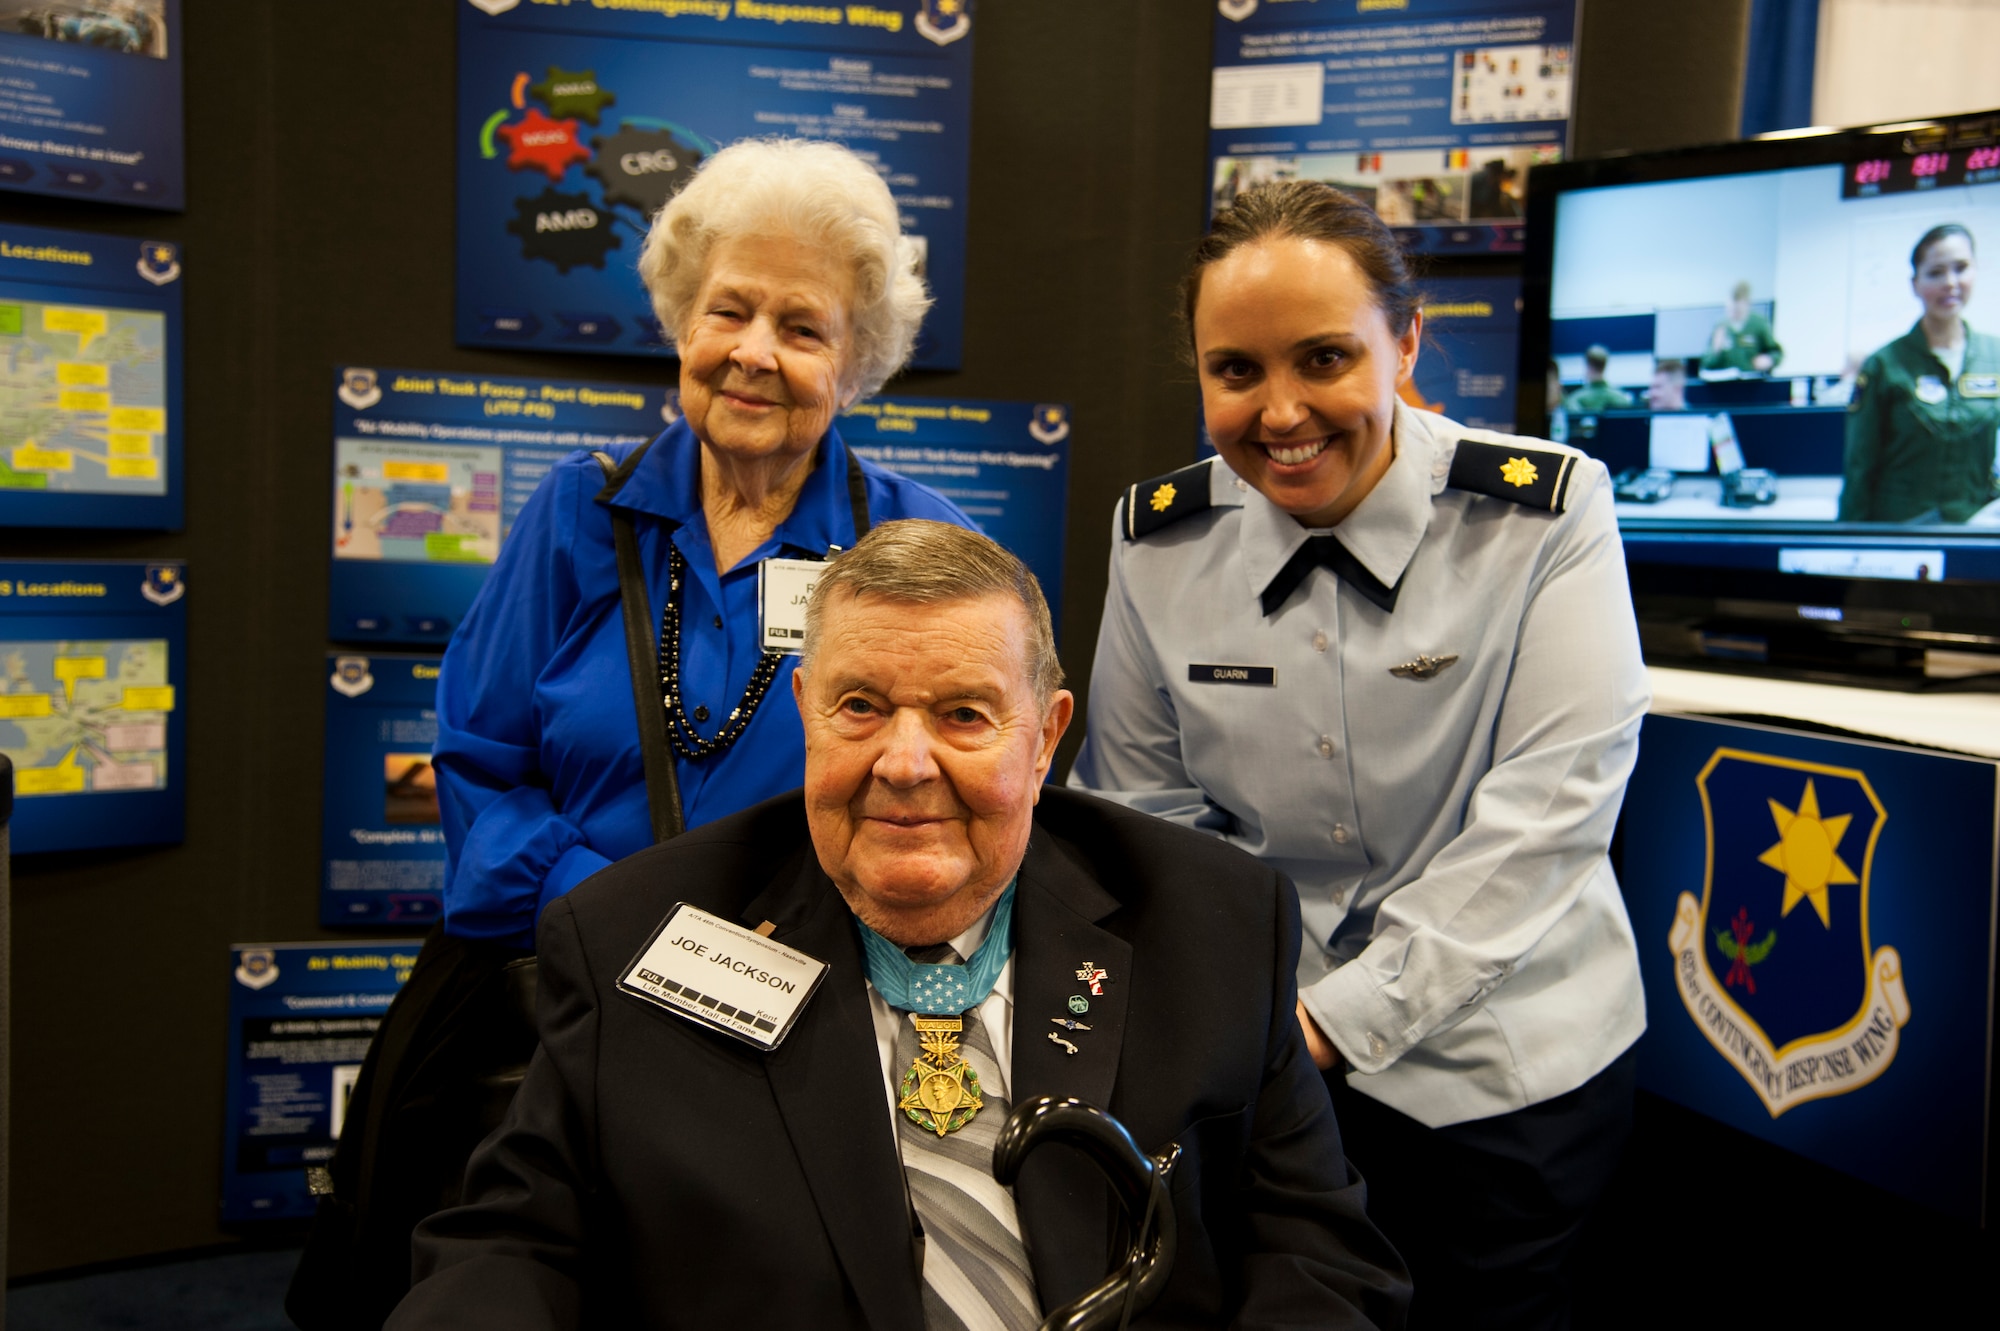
(782, 277)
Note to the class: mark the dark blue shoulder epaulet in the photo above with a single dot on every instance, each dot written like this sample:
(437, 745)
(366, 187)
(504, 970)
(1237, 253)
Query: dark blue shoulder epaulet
(1537, 477)
(1151, 505)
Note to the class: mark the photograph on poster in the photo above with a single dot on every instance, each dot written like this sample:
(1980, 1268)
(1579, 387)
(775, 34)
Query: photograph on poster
(382, 840)
(576, 124)
(90, 100)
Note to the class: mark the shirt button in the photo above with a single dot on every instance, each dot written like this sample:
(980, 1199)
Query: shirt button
(1376, 1045)
(1319, 642)
(1326, 746)
(1340, 834)
(701, 714)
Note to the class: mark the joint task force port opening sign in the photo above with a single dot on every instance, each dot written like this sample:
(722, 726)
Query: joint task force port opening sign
(93, 678)
(301, 1016)
(430, 469)
(382, 836)
(90, 380)
(577, 121)
(90, 100)
(1430, 110)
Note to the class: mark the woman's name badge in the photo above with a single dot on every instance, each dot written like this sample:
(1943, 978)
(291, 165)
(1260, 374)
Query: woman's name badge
(723, 976)
(783, 586)
(1931, 390)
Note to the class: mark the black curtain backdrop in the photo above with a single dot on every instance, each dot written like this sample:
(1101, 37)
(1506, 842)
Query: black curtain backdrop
(319, 232)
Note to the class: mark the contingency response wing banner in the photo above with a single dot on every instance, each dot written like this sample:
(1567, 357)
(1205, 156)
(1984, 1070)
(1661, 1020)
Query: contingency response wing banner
(90, 100)
(576, 122)
(1430, 110)
(90, 380)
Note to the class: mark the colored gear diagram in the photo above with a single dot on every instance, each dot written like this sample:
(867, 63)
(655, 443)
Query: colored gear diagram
(642, 168)
(573, 92)
(567, 230)
(537, 141)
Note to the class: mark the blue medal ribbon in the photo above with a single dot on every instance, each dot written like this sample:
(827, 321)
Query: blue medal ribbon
(936, 989)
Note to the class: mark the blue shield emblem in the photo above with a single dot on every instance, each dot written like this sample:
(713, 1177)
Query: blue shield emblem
(1775, 962)
(1050, 423)
(164, 584)
(159, 261)
(945, 21)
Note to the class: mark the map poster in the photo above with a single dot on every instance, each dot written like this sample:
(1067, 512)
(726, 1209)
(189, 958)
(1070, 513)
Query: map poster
(430, 468)
(576, 122)
(90, 380)
(93, 684)
(301, 1016)
(90, 100)
(1815, 919)
(383, 840)
(1006, 464)
(1472, 337)
(1431, 111)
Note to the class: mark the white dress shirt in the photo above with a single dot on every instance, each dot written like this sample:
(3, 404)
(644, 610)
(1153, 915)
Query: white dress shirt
(1466, 947)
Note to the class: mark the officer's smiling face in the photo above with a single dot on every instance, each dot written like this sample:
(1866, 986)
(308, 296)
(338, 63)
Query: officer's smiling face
(1299, 371)
(925, 754)
(1943, 281)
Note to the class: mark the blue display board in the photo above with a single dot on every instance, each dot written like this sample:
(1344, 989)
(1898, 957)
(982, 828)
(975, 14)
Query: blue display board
(1472, 338)
(1430, 110)
(93, 702)
(90, 380)
(300, 1019)
(1815, 921)
(90, 100)
(576, 122)
(382, 840)
(430, 468)
(1005, 463)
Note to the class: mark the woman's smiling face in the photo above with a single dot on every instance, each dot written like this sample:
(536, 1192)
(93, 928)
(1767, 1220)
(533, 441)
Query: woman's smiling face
(1299, 370)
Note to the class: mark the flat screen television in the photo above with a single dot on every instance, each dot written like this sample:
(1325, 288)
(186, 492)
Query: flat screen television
(1805, 482)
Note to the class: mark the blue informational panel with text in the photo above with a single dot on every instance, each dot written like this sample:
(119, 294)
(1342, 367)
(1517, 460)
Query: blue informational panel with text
(1472, 337)
(1431, 111)
(93, 702)
(383, 842)
(90, 380)
(301, 1016)
(430, 468)
(1006, 464)
(90, 100)
(578, 121)
(1815, 921)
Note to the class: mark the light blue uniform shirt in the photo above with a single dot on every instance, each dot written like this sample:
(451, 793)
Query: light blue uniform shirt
(1465, 947)
(540, 782)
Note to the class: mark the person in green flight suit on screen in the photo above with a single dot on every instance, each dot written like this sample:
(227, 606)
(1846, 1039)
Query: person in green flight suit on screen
(1743, 341)
(1921, 423)
(1596, 394)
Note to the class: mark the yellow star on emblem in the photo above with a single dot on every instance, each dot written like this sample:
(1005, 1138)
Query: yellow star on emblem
(1806, 853)
(1163, 499)
(1518, 471)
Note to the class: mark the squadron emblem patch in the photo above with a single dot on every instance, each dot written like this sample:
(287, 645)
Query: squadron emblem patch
(1807, 1006)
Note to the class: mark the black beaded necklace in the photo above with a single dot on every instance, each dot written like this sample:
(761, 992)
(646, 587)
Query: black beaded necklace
(687, 741)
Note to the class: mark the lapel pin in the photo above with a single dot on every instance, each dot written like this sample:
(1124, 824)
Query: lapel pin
(1068, 1048)
(1424, 667)
(1094, 976)
(1079, 1004)
(1069, 1023)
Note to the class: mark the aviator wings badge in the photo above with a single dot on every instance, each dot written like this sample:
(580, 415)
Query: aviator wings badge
(1424, 667)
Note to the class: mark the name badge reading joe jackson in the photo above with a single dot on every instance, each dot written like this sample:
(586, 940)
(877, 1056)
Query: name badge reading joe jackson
(782, 588)
(723, 976)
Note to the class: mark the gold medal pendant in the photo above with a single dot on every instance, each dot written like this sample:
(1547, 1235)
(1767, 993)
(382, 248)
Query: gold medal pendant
(940, 1090)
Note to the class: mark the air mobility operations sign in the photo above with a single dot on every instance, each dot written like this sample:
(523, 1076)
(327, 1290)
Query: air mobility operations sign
(1815, 918)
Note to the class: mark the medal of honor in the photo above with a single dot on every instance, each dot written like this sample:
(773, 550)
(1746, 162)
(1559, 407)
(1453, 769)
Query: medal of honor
(940, 1089)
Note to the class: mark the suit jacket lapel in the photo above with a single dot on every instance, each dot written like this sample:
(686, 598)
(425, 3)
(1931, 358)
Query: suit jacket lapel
(1067, 1212)
(827, 1079)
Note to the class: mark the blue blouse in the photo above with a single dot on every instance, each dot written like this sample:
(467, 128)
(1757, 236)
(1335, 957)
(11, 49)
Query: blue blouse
(540, 779)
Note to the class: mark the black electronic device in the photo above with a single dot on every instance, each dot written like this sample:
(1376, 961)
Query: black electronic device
(1739, 290)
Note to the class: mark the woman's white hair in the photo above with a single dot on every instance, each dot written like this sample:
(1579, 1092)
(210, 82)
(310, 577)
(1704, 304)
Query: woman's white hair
(818, 193)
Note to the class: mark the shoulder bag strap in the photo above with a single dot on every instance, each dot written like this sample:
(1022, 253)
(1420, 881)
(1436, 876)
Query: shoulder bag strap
(663, 786)
(857, 495)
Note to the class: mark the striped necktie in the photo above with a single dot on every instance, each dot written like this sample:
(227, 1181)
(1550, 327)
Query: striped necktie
(976, 1274)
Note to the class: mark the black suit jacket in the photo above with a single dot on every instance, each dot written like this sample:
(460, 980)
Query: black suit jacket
(654, 1173)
